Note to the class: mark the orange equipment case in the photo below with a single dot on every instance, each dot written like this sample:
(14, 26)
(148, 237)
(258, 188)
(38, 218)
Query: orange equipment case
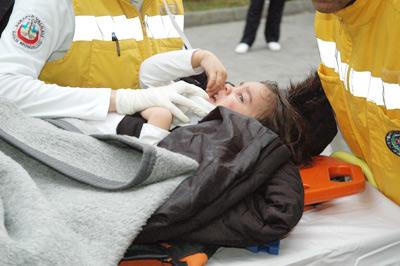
(329, 178)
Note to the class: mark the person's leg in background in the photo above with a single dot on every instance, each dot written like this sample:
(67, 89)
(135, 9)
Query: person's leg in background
(252, 22)
(273, 24)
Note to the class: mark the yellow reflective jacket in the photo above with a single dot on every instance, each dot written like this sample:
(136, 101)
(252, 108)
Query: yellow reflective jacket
(360, 72)
(111, 39)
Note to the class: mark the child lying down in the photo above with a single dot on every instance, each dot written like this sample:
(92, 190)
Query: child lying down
(246, 191)
(260, 100)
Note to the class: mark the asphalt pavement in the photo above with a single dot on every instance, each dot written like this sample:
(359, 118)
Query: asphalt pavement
(298, 56)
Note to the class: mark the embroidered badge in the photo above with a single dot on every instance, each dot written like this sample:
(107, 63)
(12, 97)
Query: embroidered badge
(393, 142)
(29, 32)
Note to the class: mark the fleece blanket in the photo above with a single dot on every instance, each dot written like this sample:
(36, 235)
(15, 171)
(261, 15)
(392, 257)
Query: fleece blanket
(68, 198)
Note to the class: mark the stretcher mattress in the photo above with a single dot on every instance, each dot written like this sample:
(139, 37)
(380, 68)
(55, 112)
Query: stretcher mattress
(362, 229)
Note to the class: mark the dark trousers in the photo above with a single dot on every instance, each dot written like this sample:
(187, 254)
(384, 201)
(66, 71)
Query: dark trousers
(6, 7)
(272, 25)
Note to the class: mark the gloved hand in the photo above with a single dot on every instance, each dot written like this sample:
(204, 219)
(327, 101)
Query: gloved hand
(132, 101)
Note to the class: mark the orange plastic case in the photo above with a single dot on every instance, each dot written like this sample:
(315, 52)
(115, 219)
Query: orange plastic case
(329, 178)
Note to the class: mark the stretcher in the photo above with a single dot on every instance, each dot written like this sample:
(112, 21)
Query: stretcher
(328, 178)
(325, 180)
(361, 229)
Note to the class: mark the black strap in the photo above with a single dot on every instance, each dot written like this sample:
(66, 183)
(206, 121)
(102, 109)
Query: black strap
(6, 7)
(142, 252)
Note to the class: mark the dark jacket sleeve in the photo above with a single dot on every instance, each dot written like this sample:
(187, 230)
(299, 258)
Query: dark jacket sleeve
(246, 190)
(131, 125)
(267, 215)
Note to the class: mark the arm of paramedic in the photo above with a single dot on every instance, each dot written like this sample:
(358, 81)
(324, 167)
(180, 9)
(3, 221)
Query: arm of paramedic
(163, 68)
(20, 66)
(158, 123)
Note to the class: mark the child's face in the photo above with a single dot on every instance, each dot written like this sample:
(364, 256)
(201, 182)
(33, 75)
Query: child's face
(249, 98)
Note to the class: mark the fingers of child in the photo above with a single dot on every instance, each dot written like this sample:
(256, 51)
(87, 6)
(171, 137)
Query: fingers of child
(211, 91)
(211, 82)
(217, 83)
(221, 78)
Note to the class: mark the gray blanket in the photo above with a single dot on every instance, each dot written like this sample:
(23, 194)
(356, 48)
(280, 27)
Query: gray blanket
(68, 198)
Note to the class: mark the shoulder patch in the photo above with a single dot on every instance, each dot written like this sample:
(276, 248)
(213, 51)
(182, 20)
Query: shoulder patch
(393, 142)
(29, 32)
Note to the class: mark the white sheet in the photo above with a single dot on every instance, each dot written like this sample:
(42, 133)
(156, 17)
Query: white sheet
(363, 229)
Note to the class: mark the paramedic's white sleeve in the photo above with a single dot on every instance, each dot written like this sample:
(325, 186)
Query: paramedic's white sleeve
(151, 134)
(20, 66)
(161, 69)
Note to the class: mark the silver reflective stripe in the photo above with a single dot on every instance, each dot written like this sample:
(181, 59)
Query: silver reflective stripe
(161, 27)
(361, 83)
(331, 57)
(88, 28)
(391, 95)
(342, 69)
(375, 91)
(327, 51)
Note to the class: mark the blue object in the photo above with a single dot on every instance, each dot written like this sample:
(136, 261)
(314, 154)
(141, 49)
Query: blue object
(271, 248)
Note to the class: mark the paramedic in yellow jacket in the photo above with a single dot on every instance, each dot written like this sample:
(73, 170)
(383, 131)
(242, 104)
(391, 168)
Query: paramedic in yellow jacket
(359, 44)
(66, 58)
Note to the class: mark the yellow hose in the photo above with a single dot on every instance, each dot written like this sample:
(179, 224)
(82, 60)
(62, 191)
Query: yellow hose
(350, 158)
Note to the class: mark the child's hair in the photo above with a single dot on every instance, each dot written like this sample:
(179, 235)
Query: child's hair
(300, 115)
(283, 119)
(309, 99)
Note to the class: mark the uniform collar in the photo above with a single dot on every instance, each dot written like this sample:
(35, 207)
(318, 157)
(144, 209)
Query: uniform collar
(358, 13)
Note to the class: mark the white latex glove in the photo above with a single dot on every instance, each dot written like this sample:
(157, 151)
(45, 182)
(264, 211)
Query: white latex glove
(132, 101)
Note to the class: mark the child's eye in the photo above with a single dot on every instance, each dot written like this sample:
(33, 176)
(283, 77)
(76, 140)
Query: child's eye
(241, 98)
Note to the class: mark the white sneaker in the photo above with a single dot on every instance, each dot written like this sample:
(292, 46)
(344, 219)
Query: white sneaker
(274, 46)
(242, 48)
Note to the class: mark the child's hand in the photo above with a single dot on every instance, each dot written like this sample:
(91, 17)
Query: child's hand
(158, 116)
(214, 69)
